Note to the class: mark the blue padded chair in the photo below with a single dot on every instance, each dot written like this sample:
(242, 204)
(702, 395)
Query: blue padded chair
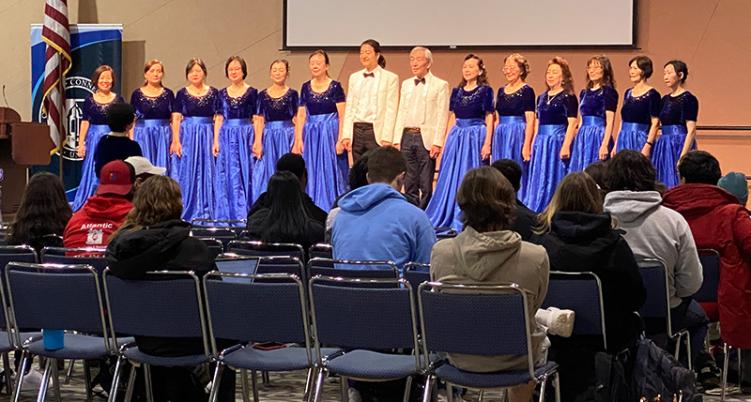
(248, 310)
(72, 301)
(256, 248)
(355, 269)
(657, 304)
(166, 304)
(215, 246)
(223, 234)
(710, 265)
(321, 250)
(366, 322)
(582, 293)
(8, 341)
(416, 273)
(78, 255)
(491, 320)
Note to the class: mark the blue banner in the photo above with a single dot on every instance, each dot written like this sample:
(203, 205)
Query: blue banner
(91, 45)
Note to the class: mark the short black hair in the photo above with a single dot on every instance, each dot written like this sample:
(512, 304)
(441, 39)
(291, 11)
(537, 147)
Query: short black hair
(119, 116)
(385, 164)
(699, 167)
(644, 63)
(292, 163)
(680, 67)
(598, 171)
(511, 170)
(358, 173)
(630, 170)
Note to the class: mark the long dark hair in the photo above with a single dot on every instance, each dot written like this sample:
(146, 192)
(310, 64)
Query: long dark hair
(44, 210)
(607, 72)
(482, 79)
(287, 218)
(376, 48)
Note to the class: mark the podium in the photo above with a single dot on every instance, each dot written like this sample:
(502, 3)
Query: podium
(22, 144)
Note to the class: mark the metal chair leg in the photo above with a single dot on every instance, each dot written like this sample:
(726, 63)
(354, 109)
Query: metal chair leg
(19, 377)
(244, 382)
(740, 370)
(45, 381)
(688, 350)
(344, 389)
(213, 395)
(449, 392)
(543, 385)
(265, 378)
(725, 366)
(147, 382)
(318, 387)
(254, 380)
(557, 385)
(56, 380)
(8, 377)
(481, 398)
(426, 395)
(131, 383)
(69, 372)
(87, 379)
(112, 397)
(408, 389)
(308, 384)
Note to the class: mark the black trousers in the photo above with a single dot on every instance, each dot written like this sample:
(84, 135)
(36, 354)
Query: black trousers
(418, 182)
(363, 140)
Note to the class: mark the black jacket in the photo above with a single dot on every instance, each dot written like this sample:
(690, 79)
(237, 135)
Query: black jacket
(525, 220)
(164, 246)
(586, 242)
(311, 208)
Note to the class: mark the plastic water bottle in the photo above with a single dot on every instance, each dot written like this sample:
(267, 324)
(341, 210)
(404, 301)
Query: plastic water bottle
(53, 339)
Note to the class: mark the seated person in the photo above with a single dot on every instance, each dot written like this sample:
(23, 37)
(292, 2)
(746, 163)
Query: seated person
(117, 145)
(580, 237)
(42, 215)
(103, 212)
(143, 170)
(735, 183)
(285, 220)
(358, 177)
(487, 251)
(376, 222)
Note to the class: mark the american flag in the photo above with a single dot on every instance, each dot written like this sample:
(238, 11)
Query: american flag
(56, 34)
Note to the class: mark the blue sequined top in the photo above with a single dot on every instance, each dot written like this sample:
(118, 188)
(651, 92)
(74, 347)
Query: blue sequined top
(516, 103)
(323, 102)
(156, 107)
(679, 109)
(95, 112)
(242, 107)
(474, 104)
(281, 108)
(597, 102)
(197, 106)
(556, 109)
(640, 109)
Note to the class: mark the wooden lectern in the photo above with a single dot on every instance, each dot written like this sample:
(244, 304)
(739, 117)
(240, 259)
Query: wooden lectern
(22, 144)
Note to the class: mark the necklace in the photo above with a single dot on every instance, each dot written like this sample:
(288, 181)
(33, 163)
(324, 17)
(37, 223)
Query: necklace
(550, 98)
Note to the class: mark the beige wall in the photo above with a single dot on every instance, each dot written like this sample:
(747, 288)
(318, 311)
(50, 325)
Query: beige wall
(712, 36)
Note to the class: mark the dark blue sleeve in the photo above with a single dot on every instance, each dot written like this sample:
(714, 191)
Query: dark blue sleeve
(170, 100)
(218, 104)
(572, 106)
(487, 100)
(86, 112)
(260, 105)
(136, 149)
(304, 93)
(293, 102)
(498, 99)
(177, 104)
(611, 98)
(691, 108)
(136, 105)
(252, 101)
(581, 95)
(539, 102)
(452, 101)
(655, 103)
(528, 99)
(338, 92)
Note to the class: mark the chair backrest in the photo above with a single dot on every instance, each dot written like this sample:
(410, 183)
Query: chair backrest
(215, 246)
(445, 232)
(363, 317)
(235, 224)
(255, 308)
(79, 255)
(321, 250)
(23, 253)
(56, 297)
(416, 273)
(582, 293)
(710, 263)
(260, 249)
(476, 320)
(657, 304)
(166, 304)
(223, 234)
(354, 269)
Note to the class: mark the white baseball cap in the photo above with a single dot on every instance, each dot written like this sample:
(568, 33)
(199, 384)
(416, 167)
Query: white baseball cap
(144, 166)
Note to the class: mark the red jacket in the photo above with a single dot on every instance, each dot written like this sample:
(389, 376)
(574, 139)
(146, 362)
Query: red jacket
(719, 222)
(93, 224)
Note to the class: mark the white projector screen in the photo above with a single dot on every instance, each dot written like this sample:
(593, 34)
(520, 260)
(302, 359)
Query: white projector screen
(459, 23)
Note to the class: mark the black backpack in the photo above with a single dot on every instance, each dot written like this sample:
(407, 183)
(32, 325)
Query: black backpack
(657, 372)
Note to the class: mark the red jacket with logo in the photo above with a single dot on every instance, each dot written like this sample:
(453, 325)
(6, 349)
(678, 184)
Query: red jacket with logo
(719, 222)
(93, 224)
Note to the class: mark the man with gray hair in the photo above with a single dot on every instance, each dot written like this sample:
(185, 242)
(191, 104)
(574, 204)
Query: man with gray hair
(420, 128)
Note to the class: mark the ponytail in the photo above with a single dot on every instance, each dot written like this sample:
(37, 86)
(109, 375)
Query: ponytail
(381, 61)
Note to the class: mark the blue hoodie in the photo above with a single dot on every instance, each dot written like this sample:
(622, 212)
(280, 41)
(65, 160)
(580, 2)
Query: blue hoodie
(375, 222)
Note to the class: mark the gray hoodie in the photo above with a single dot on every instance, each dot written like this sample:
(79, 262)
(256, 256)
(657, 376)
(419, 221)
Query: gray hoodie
(658, 233)
(494, 257)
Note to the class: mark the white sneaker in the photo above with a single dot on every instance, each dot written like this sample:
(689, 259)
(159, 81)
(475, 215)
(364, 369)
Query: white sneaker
(561, 322)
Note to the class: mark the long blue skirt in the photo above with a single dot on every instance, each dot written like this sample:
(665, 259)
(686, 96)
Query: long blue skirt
(326, 174)
(232, 185)
(508, 141)
(546, 169)
(89, 181)
(461, 154)
(633, 136)
(278, 137)
(586, 148)
(195, 169)
(667, 152)
(154, 136)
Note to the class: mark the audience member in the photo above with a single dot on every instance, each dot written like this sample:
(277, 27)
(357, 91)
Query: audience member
(358, 177)
(117, 145)
(143, 169)
(376, 222)
(735, 183)
(598, 171)
(524, 218)
(42, 215)
(487, 251)
(105, 211)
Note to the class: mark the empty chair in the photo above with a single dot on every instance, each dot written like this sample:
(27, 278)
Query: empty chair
(321, 250)
(71, 301)
(80, 255)
(165, 305)
(707, 294)
(416, 273)
(261, 249)
(375, 321)
(354, 269)
(484, 320)
(223, 234)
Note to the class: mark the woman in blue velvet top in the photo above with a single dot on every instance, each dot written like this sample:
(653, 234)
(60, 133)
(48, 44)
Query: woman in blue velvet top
(153, 104)
(192, 163)
(468, 143)
(515, 106)
(93, 128)
(233, 139)
(640, 110)
(556, 123)
(597, 104)
(275, 125)
(318, 133)
(677, 122)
